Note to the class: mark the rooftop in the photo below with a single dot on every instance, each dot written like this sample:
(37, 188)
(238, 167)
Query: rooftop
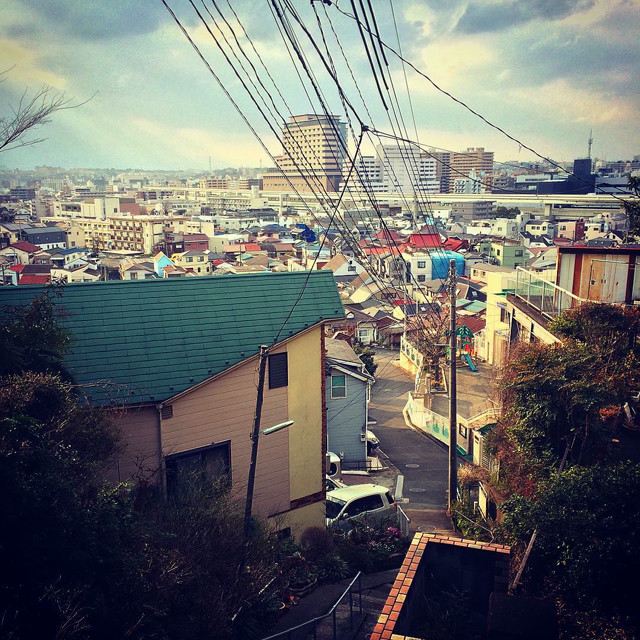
(145, 341)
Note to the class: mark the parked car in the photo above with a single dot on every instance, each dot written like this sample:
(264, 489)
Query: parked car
(359, 501)
(333, 483)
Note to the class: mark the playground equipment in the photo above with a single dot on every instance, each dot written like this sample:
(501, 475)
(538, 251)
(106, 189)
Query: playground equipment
(467, 358)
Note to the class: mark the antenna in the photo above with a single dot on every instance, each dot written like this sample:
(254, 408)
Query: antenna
(590, 143)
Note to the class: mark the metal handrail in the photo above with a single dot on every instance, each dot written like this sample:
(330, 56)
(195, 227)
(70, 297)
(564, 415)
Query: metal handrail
(331, 612)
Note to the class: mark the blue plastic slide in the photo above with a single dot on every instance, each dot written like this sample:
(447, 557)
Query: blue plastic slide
(469, 361)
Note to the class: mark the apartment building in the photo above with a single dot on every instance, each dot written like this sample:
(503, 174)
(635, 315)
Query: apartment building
(462, 163)
(472, 210)
(312, 155)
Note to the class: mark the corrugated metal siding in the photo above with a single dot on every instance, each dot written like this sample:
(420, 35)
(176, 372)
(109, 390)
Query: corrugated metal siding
(345, 419)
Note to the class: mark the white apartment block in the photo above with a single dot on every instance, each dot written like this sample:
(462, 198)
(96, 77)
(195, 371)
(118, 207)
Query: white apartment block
(397, 169)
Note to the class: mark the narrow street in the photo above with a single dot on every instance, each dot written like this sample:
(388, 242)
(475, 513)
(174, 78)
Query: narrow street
(422, 461)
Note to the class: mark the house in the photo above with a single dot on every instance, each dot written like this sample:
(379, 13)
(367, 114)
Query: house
(35, 274)
(177, 358)
(347, 397)
(604, 274)
(195, 261)
(137, 270)
(344, 269)
(20, 252)
(46, 237)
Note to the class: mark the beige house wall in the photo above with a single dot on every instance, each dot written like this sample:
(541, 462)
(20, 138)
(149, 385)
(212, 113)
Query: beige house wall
(306, 446)
(139, 429)
(289, 485)
(223, 409)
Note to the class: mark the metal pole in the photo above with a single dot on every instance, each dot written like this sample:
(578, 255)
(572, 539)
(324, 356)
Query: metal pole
(264, 352)
(453, 389)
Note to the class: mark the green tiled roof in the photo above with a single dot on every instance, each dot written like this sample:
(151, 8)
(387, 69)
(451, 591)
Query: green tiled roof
(147, 340)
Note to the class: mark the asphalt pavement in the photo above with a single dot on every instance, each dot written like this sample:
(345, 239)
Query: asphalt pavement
(421, 460)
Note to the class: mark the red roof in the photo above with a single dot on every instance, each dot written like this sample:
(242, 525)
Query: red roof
(26, 246)
(474, 323)
(388, 234)
(16, 267)
(427, 240)
(453, 244)
(31, 279)
(249, 246)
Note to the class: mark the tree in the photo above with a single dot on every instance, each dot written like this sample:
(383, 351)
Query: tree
(366, 354)
(507, 212)
(30, 337)
(632, 209)
(34, 109)
(587, 550)
(553, 394)
(84, 558)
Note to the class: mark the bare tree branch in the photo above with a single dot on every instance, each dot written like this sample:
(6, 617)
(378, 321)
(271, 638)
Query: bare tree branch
(32, 111)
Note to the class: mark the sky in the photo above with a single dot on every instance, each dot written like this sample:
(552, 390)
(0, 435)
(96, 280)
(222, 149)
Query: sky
(545, 71)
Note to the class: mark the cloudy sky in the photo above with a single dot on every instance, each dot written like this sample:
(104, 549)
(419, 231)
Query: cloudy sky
(546, 71)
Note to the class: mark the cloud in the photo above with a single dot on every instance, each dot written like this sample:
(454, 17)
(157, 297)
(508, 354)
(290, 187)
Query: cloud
(23, 68)
(97, 19)
(479, 18)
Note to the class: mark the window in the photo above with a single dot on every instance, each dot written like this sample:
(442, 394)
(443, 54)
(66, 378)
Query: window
(370, 503)
(462, 430)
(278, 371)
(421, 278)
(421, 264)
(198, 468)
(518, 253)
(339, 386)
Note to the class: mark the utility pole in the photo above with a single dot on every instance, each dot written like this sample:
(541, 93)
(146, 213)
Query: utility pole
(453, 388)
(255, 435)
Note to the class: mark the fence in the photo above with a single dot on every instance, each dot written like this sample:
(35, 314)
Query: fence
(338, 617)
(548, 298)
(403, 521)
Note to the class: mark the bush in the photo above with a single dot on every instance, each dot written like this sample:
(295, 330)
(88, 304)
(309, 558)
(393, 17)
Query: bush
(333, 568)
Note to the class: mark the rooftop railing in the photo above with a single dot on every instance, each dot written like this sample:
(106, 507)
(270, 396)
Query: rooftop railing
(548, 298)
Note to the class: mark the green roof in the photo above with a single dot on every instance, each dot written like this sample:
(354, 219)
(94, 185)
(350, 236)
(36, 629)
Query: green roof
(147, 340)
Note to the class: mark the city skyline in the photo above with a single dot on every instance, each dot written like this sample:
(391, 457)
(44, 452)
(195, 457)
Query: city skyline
(546, 73)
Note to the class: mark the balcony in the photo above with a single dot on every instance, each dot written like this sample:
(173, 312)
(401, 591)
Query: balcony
(547, 298)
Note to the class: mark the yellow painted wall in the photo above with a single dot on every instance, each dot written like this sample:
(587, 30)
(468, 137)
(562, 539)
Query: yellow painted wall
(298, 520)
(305, 408)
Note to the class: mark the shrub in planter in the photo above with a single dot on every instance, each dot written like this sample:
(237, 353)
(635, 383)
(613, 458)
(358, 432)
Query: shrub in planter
(333, 568)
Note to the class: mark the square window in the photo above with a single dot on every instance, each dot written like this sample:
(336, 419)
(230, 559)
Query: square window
(339, 386)
(421, 264)
(462, 430)
(278, 371)
(198, 468)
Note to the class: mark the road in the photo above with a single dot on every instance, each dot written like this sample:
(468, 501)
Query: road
(422, 461)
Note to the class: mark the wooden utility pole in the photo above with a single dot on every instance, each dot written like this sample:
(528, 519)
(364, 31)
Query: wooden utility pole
(453, 389)
(255, 435)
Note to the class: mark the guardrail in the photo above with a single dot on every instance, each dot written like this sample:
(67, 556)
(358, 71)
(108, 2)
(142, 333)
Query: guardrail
(311, 626)
(403, 521)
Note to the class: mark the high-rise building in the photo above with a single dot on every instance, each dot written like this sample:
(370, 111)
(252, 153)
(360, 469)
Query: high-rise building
(462, 163)
(312, 155)
(397, 169)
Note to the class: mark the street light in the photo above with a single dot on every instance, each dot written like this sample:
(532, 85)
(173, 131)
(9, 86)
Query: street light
(252, 469)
